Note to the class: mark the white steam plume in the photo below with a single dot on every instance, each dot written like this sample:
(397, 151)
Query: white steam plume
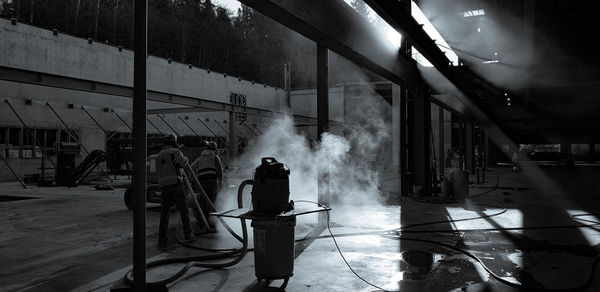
(353, 159)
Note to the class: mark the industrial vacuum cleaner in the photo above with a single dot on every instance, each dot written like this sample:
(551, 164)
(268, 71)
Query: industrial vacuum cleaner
(273, 218)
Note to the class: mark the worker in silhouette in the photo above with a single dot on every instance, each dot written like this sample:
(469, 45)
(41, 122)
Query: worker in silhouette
(169, 169)
(209, 171)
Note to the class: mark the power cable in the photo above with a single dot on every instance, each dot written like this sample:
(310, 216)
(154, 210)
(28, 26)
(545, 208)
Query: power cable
(196, 261)
(397, 236)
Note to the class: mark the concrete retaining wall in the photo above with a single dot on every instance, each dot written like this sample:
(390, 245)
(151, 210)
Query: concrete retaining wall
(31, 48)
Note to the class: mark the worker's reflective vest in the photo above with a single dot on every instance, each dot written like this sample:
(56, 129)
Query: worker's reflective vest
(206, 166)
(168, 164)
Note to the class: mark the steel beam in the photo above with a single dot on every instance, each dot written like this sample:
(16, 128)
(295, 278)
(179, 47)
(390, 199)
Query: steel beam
(140, 88)
(338, 27)
(13, 171)
(396, 124)
(460, 77)
(189, 127)
(168, 126)
(322, 122)
(421, 142)
(186, 103)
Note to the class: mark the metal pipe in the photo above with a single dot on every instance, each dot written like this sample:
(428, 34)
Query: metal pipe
(15, 112)
(226, 132)
(250, 129)
(208, 128)
(95, 121)
(154, 126)
(122, 121)
(34, 137)
(256, 127)
(172, 129)
(192, 129)
(139, 144)
(441, 139)
(239, 129)
(13, 172)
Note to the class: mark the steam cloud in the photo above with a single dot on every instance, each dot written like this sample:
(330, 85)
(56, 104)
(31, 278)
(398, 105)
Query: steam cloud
(354, 157)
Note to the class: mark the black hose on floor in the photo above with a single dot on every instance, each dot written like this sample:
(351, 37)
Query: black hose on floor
(396, 234)
(199, 261)
(586, 284)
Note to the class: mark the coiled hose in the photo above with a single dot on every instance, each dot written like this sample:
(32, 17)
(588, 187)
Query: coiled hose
(197, 261)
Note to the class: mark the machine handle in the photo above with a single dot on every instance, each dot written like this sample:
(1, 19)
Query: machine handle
(241, 190)
(268, 160)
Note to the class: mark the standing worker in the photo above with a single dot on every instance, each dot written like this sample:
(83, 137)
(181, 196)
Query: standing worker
(209, 170)
(169, 169)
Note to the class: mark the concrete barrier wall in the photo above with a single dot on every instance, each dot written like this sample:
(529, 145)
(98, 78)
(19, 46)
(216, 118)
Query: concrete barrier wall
(31, 48)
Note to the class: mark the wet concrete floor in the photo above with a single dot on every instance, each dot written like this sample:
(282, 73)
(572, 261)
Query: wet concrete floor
(533, 229)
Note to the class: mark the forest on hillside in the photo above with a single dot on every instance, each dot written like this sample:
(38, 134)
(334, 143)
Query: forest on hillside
(244, 44)
(247, 45)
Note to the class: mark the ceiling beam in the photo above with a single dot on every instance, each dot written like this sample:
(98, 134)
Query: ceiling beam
(189, 103)
(337, 26)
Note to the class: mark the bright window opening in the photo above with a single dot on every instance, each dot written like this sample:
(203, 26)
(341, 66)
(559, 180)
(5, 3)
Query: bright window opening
(392, 35)
(420, 17)
(472, 13)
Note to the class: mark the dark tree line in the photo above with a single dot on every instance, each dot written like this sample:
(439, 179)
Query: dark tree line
(248, 45)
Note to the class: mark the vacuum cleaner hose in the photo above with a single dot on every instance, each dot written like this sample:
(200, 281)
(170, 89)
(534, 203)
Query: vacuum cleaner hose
(199, 261)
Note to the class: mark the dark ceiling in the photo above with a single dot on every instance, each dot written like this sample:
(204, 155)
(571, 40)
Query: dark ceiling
(545, 54)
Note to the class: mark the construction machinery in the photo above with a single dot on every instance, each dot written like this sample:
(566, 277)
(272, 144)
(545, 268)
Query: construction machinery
(119, 160)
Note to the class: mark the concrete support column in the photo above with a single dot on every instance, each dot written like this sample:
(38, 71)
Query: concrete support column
(469, 166)
(396, 124)
(421, 142)
(410, 140)
(404, 183)
(323, 122)
(405, 116)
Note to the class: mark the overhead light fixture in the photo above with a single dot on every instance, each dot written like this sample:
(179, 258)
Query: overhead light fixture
(471, 13)
(479, 29)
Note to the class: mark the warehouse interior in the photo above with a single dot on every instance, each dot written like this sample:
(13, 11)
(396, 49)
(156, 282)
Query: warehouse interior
(422, 145)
